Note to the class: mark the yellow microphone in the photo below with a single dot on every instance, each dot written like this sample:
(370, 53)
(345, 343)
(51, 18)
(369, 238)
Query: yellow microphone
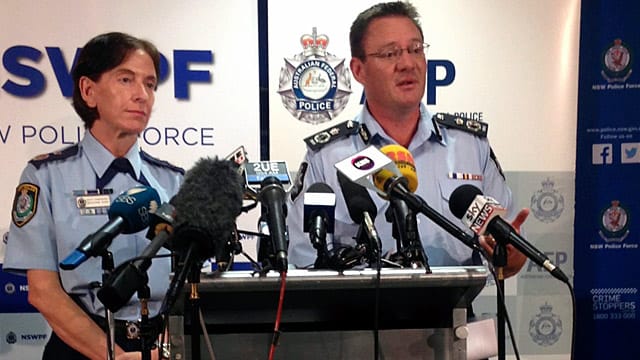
(404, 162)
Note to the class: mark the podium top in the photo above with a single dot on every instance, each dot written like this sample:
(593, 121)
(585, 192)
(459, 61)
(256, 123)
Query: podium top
(298, 279)
(245, 301)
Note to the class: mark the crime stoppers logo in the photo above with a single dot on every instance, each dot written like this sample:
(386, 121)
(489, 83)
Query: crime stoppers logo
(616, 62)
(314, 85)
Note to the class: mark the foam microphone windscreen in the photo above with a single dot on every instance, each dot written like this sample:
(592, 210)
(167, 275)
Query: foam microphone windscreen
(461, 198)
(207, 204)
(403, 161)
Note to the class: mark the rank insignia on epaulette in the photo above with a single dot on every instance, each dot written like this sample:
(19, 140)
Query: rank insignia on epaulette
(457, 122)
(339, 131)
(56, 155)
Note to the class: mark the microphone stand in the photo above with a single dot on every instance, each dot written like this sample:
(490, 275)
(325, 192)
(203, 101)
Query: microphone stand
(418, 204)
(194, 301)
(367, 243)
(499, 262)
(405, 231)
(107, 269)
(146, 335)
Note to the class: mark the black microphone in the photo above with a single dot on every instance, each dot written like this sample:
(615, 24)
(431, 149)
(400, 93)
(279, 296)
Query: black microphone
(319, 212)
(207, 205)
(400, 187)
(363, 211)
(483, 215)
(118, 289)
(272, 196)
(128, 214)
(319, 218)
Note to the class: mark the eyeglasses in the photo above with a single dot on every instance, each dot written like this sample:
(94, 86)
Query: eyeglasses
(392, 54)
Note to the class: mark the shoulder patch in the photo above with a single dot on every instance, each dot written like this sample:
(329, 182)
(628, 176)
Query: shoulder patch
(53, 156)
(475, 127)
(25, 203)
(345, 129)
(161, 163)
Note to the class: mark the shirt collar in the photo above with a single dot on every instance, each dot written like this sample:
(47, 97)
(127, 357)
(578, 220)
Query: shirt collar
(100, 158)
(427, 129)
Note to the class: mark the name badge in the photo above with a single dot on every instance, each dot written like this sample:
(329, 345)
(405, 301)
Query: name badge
(92, 202)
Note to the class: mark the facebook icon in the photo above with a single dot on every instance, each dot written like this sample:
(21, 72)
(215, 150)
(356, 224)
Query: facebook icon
(602, 154)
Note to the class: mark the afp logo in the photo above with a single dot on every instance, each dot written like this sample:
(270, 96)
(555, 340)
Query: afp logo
(315, 85)
(546, 327)
(547, 204)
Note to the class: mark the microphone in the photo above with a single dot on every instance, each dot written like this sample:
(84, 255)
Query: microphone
(367, 163)
(405, 224)
(128, 214)
(403, 160)
(272, 196)
(483, 214)
(363, 211)
(207, 205)
(319, 214)
(126, 280)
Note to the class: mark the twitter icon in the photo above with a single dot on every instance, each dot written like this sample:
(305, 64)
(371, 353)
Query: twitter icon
(630, 153)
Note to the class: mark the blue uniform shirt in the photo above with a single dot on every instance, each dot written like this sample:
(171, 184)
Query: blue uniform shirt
(56, 224)
(441, 156)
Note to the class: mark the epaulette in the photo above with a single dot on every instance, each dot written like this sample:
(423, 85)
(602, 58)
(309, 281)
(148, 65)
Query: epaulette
(161, 163)
(475, 127)
(345, 129)
(53, 156)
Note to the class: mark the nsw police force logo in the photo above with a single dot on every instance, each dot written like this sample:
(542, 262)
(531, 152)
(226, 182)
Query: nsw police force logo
(547, 203)
(314, 85)
(616, 62)
(546, 327)
(614, 223)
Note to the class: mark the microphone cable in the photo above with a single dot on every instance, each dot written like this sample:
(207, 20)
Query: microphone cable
(276, 327)
(376, 316)
(492, 270)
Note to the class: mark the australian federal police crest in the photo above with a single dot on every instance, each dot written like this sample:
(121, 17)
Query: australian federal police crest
(547, 203)
(546, 327)
(314, 85)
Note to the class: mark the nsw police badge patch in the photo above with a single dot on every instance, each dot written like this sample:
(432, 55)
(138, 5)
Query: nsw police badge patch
(25, 203)
(616, 62)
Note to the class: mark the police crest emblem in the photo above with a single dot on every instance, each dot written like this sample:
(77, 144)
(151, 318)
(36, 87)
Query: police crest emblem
(547, 204)
(614, 222)
(314, 85)
(25, 204)
(616, 62)
(546, 327)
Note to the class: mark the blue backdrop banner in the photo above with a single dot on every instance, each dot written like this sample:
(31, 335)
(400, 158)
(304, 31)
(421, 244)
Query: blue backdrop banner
(607, 207)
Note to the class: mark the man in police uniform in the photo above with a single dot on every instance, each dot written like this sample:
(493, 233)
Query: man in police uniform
(64, 196)
(388, 59)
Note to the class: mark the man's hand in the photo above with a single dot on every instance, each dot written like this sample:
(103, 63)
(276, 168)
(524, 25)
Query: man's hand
(515, 259)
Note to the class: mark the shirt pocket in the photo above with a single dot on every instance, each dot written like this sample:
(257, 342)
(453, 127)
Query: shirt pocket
(448, 187)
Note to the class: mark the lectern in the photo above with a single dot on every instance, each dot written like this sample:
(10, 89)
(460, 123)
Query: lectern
(338, 305)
